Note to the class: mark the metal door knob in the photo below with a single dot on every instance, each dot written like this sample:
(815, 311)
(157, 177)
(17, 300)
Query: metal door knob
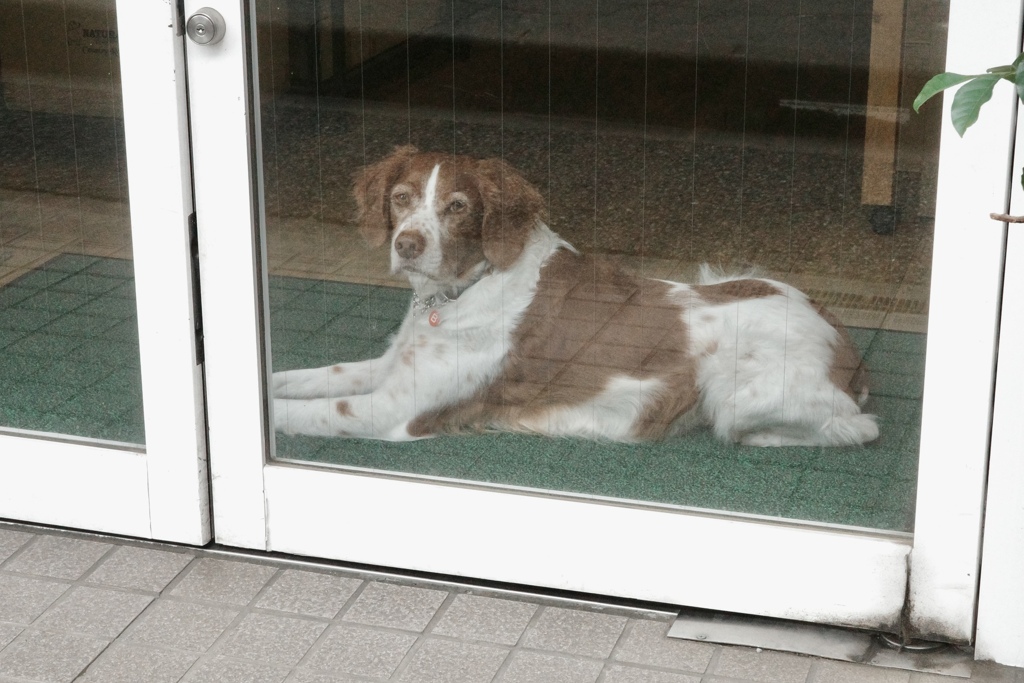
(205, 27)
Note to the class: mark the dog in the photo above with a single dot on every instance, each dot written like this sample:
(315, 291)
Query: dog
(511, 328)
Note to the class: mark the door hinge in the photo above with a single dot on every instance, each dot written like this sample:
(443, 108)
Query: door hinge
(197, 307)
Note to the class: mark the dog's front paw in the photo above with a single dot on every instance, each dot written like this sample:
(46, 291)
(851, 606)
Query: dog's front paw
(765, 439)
(281, 421)
(279, 385)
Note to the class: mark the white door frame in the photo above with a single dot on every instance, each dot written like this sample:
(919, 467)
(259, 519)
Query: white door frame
(159, 492)
(974, 177)
(748, 564)
(1000, 630)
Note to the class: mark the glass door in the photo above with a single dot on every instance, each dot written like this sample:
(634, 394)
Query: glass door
(765, 140)
(101, 417)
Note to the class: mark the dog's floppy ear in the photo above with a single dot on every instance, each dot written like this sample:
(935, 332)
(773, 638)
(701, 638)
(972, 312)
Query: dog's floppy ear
(512, 207)
(371, 187)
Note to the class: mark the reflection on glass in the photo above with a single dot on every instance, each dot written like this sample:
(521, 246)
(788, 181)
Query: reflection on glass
(68, 340)
(751, 136)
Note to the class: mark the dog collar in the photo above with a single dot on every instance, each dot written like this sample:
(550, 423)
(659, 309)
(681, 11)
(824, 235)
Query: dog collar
(439, 299)
(433, 301)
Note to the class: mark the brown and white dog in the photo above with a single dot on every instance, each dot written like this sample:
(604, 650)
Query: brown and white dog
(510, 328)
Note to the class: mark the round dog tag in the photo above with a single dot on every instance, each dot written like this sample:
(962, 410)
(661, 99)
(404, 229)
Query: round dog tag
(434, 319)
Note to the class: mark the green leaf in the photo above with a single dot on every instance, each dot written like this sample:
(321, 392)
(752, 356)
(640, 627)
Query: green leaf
(1018, 78)
(1006, 71)
(939, 83)
(968, 100)
(1020, 58)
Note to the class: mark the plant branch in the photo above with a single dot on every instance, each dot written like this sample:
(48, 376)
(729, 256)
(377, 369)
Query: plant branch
(1004, 218)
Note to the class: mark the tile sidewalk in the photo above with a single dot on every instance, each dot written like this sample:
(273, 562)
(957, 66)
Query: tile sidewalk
(91, 609)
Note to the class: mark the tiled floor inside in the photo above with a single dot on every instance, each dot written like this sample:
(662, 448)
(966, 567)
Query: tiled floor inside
(93, 609)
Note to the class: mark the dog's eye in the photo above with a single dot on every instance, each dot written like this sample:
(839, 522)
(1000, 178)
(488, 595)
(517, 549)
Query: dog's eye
(401, 198)
(457, 205)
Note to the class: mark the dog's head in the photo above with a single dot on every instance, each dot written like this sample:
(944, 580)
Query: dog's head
(445, 214)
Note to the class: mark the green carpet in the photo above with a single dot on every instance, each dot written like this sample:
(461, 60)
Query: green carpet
(69, 365)
(69, 350)
(317, 323)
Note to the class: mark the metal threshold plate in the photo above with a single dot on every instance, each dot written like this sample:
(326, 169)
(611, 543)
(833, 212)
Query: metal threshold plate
(829, 642)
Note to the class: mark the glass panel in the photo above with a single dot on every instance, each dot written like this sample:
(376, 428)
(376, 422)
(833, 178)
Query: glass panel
(69, 357)
(757, 137)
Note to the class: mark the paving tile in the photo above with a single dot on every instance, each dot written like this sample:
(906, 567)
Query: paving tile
(11, 541)
(221, 670)
(445, 661)
(180, 625)
(387, 604)
(272, 639)
(845, 672)
(349, 649)
(987, 672)
(71, 627)
(140, 568)
(311, 593)
(526, 666)
(23, 599)
(646, 642)
(936, 678)
(58, 557)
(95, 611)
(982, 672)
(477, 617)
(49, 657)
(618, 673)
(223, 581)
(575, 632)
(764, 666)
(307, 676)
(121, 663)
(9, 632)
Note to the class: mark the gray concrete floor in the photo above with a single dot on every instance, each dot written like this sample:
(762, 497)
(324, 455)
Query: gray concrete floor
(83, 608)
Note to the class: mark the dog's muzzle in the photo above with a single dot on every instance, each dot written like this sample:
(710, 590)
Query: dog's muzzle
(409, 244)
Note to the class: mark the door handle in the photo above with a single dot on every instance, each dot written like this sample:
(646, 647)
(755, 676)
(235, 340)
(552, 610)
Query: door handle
(205, 27)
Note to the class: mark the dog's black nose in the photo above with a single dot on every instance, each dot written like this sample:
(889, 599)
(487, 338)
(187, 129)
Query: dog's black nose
(409, 244)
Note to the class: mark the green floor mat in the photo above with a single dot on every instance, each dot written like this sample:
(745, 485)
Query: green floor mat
(316, 323)
(69, 365)
(69, 350)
